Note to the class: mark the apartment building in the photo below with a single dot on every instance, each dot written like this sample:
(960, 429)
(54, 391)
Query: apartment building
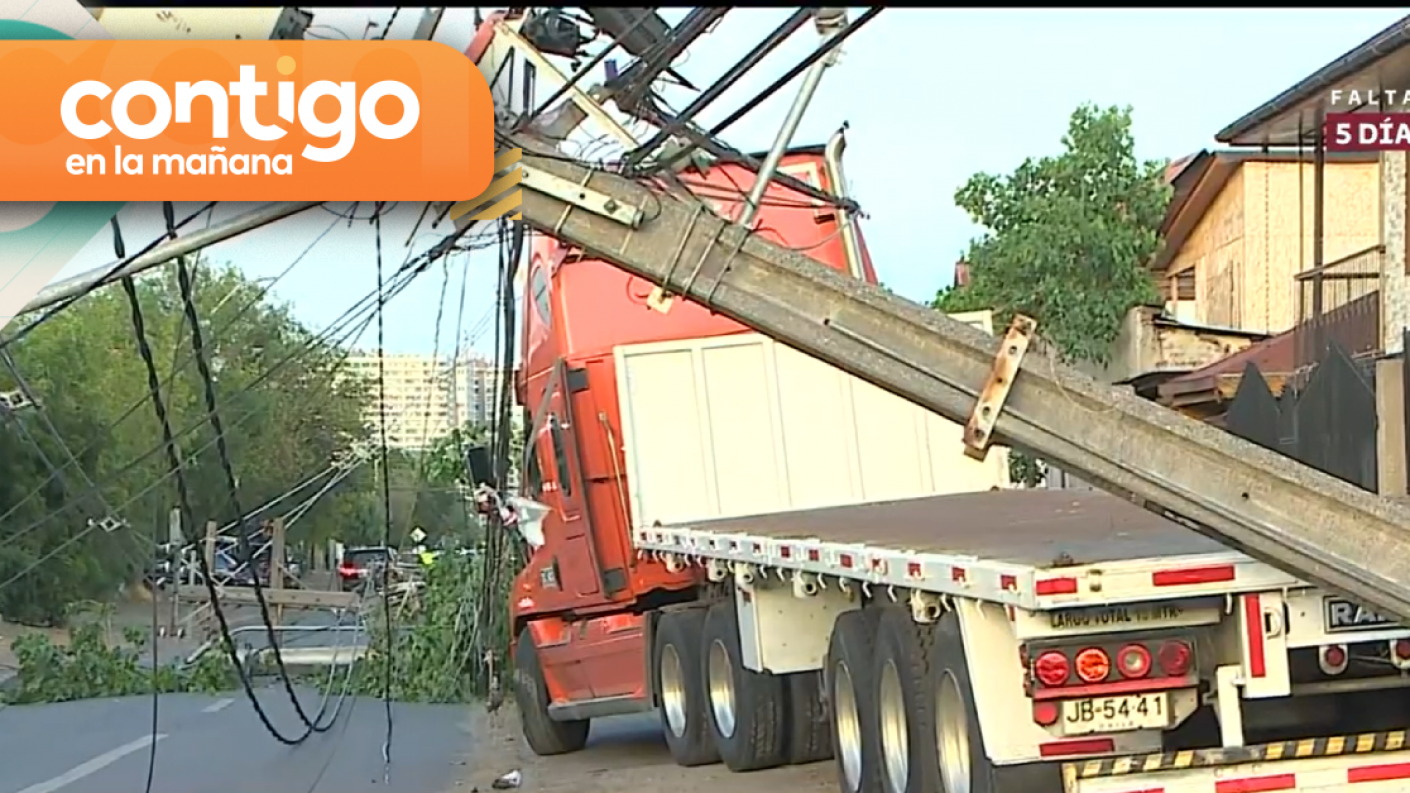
(427, 397)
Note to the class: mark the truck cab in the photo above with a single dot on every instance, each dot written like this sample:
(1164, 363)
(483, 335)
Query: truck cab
(583, 594)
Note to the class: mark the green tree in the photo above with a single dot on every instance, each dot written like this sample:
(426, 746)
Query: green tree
(1067, 237)
(281, 428)
(1066, 241)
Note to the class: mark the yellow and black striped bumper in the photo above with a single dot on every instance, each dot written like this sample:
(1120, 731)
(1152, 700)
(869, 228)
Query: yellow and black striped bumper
(1390, 741)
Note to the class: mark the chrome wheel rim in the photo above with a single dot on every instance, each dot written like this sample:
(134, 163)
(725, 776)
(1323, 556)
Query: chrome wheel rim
(952, 735)
(673, 690)
(848, 725)
(895, 733)
(721, 675)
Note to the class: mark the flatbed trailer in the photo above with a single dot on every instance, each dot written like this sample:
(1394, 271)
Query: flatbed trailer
(1035, 549)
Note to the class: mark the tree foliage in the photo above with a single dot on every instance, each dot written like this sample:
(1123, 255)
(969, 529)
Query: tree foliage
(287, 413)
(1066, 241)
(1067, 237)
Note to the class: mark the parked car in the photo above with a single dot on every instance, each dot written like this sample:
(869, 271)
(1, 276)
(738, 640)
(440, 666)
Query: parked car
(357, 563)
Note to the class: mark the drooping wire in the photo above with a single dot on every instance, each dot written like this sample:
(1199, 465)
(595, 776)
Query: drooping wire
(406, 275)
(335, 334)
(177, 468)
(120, 251)
(178, 367)
(183, 277)
(174, 457)
(390, 21)
(386, 497)
(123, 262)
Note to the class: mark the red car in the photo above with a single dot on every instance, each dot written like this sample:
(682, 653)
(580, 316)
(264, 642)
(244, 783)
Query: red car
(357, 563)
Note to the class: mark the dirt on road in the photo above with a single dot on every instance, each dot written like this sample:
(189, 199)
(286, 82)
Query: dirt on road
(624, 753)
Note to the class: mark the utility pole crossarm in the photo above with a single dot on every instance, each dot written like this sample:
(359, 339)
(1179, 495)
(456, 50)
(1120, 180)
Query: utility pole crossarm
(1302, 521)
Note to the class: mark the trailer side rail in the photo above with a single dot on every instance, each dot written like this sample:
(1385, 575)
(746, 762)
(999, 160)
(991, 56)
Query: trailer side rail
(1023, 586)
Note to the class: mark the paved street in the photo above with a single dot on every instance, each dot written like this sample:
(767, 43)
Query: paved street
(213, 744)
(216, 745)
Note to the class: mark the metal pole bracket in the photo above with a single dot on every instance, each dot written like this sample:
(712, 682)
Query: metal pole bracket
(979, 430)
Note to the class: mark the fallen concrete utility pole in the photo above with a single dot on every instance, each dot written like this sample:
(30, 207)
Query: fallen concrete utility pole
(1307, 523)
(167, 251)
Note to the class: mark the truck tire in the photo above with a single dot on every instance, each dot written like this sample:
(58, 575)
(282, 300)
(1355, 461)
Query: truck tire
(848, 680)
(544, 735)
(680, 683)
(809, 722)
(964, 766)
(746, 708)
(905, 703)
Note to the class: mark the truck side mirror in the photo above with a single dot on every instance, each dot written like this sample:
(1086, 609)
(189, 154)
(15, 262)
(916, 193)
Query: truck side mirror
(477, 460)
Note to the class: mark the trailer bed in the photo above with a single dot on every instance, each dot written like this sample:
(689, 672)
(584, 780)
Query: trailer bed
(1037, 549)
(1036, 528)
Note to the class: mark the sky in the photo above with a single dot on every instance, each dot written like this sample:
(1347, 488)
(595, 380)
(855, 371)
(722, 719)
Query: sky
(931, 97)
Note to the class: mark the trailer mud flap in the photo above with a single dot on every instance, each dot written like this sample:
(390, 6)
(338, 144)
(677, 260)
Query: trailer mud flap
(1367, 763)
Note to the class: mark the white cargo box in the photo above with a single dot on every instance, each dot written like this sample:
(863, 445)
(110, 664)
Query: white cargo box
(731, 426)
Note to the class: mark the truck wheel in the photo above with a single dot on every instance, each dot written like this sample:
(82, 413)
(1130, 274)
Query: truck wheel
(545, 736)
(905, 703)
(680, 683)
(746, 708)
(848, 676)
(963, 764)
(809, 722)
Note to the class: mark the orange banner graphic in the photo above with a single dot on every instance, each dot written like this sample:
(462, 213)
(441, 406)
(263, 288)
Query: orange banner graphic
(242, 121)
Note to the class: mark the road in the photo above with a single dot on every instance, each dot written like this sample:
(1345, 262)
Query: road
(212, 744)
(216, 745)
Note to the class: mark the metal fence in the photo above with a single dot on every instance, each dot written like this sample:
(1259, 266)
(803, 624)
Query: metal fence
(1340, 302)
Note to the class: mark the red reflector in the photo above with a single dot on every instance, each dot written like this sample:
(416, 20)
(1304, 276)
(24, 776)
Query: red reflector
(785, 551)
(1193, 575)
(1008, 582)
(1402, 649)
(1378, 773)
(914, 570)
(1045, 714)
(812, 554)
(1257, 784)
(758, 549)
(1056, 586)
(1175, 658)
(1069, 748)
(957, 574)
(846, 560)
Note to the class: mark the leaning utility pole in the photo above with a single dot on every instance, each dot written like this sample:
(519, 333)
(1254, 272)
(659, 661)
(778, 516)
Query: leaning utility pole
(1307, 523)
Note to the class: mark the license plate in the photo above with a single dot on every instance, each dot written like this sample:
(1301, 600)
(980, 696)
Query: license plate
(1116, 714)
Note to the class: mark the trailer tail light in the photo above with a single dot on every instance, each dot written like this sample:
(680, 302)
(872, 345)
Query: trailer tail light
(1133, 661)
(1400, 653)
(1052, 668)
(1332, 659)
(1175, 658)
(1093, 665)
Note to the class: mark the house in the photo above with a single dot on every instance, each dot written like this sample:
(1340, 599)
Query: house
(1345, 314)
(1239, 231)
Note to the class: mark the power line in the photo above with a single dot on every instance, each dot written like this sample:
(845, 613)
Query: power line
(405, 275)
(386, 497)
